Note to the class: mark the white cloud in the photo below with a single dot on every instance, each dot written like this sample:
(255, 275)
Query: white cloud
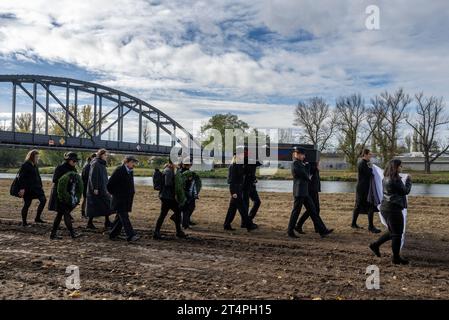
(175, 52)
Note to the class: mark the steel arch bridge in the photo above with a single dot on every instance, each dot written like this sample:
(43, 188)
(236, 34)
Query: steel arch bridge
(75, 134)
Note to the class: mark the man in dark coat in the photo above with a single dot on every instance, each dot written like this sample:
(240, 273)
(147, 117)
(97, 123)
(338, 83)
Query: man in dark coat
(250, 189)
(301, 179)
(235, 180)
(167, 195)
(63, 211)
(98, 197)
(121, 187)
(314, 190)
(85, 177)
(365, 174)
(30, 187)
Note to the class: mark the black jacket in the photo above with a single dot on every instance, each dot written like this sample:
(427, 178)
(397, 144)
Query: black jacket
(250, 170)
(168, 188)
(315, 180)
(30, 180)
(395, 193)
(98, 205)
(301, 179)
(121, 187)
(236, 178)
(365, 174)
(85, 177)
(53, 203)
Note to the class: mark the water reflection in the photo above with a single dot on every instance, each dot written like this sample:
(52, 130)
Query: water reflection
(435, 190)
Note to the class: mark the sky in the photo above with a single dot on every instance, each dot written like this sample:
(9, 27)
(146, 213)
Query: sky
(257, 59)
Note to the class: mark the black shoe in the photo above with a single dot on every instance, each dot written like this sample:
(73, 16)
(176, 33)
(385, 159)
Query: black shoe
(292, 234)
(186, 226)
(375, 248)
(399, 260)
(229, 228)
(374, 230)
(252, 226)
(75, 235)
(134, 238)
(181, 235)
(39, 220)
(299, 230)
(326, 233)
(355, 226)
(192, 223)
(91, 226)
(55, 237)
(157, 236)
(24, 224)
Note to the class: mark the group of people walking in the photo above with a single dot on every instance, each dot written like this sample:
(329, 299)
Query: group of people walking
(179, 188)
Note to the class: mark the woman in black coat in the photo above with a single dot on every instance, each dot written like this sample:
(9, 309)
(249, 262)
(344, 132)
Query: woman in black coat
(394, 201)
(98, 197)
(85, 177)
(30, 187)
(62, 210)
(365, 174)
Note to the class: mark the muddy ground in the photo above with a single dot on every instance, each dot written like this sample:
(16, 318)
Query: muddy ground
(215, 264)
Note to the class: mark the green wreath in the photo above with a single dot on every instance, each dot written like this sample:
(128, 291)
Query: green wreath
(64, 194)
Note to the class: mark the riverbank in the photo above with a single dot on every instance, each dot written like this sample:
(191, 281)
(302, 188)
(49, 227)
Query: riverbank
(215, 264)
(281, 174)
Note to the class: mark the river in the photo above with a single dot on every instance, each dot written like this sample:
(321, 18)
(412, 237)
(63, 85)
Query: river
(432, 190)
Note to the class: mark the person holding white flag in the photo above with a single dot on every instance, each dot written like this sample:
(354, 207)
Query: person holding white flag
(394, 200)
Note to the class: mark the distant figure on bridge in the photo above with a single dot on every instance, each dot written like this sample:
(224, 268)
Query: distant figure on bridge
(121, 187)
(98, 197)
(30, 187)
(85, 177)
(172, 198)
(62, 197)
(365, 174)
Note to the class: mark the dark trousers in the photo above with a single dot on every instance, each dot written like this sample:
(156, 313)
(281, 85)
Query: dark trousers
(166, 206)
(310, 207)
(83, 206)
(362, 209)
(187, 212)
(234, 205)
(315, 196)
(250, 193)
(122, 221)
(62, 213)
(26, 206)
(395, 223)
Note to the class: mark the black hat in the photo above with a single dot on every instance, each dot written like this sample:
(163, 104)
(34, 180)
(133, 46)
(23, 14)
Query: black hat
(71, 156)
(299, 150)
(131, 159)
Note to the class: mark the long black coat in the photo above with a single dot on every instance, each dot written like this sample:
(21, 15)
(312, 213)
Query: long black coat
(301, 179)
(30, 181)
(315, 180)
(365, 173)
(236, 175)
(121, 187)
(53, 203)
(98, 205)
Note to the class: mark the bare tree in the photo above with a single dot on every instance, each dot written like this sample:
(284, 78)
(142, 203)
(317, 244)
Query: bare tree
(387, 114)
(317, 120)
(146, 132)
(430, 118)
(352, 123)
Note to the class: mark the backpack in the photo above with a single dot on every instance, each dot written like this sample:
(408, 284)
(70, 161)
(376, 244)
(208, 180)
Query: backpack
(70, 189)
(15, 189)
(158, 180)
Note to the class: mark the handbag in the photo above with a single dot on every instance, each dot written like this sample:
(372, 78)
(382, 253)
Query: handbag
(15, 189)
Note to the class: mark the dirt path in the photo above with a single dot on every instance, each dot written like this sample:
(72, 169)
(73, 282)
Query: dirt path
(215, 264)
